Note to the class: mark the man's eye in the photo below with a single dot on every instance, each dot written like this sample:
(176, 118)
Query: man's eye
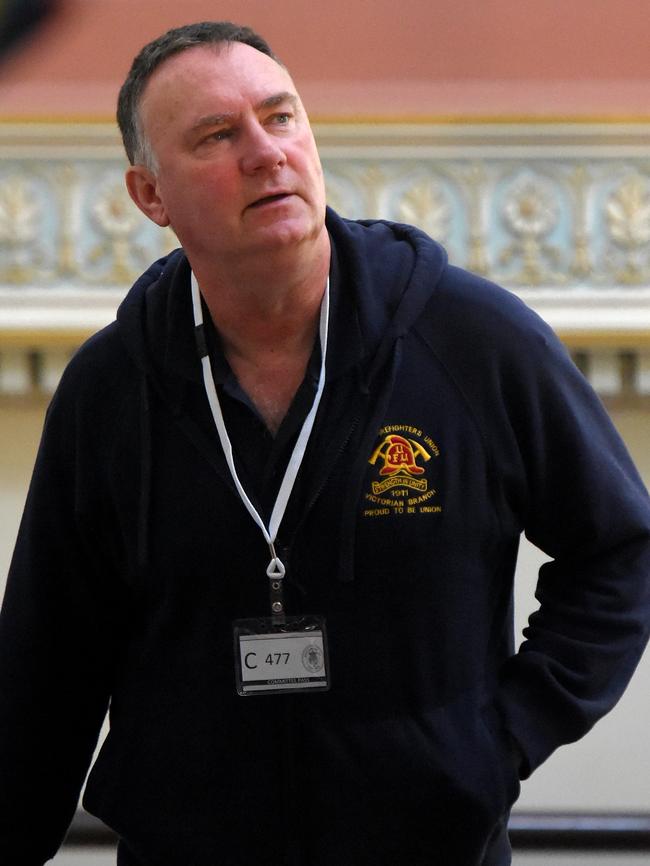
(283, 117)
(221, 134)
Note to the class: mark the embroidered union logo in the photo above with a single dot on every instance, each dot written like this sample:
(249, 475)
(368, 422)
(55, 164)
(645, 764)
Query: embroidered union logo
(401, 485)
(400, 457)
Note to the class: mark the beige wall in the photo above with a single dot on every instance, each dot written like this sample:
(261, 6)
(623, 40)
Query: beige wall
(20, 430)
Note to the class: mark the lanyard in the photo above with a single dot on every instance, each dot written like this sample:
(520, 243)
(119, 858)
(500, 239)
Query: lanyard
(275, 569)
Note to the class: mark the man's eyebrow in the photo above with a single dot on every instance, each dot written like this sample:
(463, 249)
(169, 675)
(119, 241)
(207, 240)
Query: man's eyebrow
(228, 116)
(209, 120)
(213, 120)
(278, 99)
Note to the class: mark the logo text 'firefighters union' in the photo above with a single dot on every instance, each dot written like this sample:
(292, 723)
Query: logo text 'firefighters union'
(400, 467)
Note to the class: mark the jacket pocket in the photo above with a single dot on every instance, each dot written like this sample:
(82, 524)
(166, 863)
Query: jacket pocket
(471, 750)
(441, 777)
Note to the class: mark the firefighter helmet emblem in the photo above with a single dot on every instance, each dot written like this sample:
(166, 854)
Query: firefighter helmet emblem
(399, 456)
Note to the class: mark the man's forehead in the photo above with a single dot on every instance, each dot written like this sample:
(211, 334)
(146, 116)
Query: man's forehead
(226, 60)
(213, 79)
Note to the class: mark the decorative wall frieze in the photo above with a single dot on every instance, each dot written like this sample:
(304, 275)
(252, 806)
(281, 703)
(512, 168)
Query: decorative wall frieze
(558, 213)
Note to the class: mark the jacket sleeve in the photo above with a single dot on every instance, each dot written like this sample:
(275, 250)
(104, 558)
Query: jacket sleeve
(582, 502)
(563, 476)
(55, 654)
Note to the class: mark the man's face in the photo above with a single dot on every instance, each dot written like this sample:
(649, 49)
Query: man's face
(237, 168)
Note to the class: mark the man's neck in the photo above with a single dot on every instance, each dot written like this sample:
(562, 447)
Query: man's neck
(267, 325)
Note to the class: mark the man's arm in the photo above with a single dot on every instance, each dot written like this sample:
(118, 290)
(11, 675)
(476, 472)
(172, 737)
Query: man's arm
(563, 475)
(55, 651)
(587, 508)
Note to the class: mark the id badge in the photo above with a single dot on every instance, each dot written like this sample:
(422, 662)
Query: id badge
(277, 658)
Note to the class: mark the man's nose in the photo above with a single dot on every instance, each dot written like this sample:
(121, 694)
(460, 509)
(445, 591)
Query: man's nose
(261, 151)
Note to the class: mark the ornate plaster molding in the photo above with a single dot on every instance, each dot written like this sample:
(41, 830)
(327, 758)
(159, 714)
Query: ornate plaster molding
(558, 213)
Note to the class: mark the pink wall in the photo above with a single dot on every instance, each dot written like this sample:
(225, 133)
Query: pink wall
(366, 58)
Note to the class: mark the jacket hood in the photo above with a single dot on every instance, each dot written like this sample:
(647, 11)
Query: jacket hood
(390, 269)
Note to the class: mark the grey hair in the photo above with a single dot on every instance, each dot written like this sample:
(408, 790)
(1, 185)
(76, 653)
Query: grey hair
(138, 148)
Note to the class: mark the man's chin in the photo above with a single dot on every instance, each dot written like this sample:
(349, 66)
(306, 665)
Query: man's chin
(284, 234)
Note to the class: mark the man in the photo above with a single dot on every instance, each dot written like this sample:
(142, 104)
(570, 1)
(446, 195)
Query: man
(275, 516)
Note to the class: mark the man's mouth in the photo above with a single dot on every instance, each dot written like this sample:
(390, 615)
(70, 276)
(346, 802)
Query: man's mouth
(268, 199)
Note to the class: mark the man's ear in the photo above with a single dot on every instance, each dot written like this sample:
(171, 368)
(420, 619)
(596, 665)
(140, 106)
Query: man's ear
(142, 186)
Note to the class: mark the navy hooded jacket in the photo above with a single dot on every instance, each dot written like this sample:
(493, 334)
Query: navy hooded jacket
(452, 421)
